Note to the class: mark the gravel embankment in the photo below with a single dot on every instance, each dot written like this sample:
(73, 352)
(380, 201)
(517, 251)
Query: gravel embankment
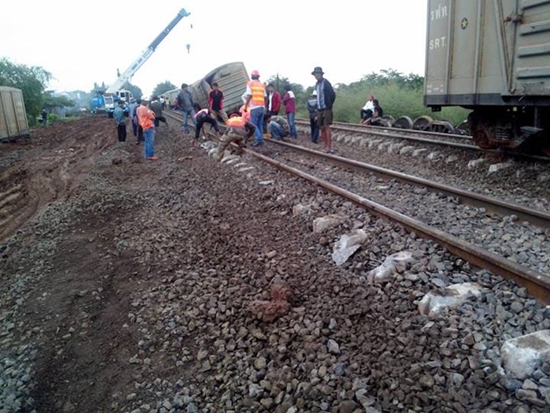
(523, 182)
(518, 241)
(134, 295)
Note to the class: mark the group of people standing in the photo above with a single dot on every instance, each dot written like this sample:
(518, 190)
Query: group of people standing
(265, 102)
(260, 112)
(145, 115)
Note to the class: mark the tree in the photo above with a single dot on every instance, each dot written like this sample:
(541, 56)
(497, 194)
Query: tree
(32, 81)
(163, 87)
(51, 101)
(136, 91)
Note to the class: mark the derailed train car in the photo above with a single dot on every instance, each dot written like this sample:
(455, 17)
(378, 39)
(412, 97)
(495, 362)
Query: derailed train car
(231, 79)
(13, 117)
(492, 57)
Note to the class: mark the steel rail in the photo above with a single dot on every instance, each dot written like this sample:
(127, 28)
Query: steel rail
(536, 217)
(536, 283)
(397, 130)
(410, 136)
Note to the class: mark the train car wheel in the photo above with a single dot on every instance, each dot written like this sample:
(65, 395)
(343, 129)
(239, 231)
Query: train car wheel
(390, 119)
(422, 123)
(442, 126)
(404, 122)
(491, 129)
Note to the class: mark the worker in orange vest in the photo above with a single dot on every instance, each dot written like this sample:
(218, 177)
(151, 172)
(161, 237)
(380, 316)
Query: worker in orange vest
(255, 104)
(238, 130)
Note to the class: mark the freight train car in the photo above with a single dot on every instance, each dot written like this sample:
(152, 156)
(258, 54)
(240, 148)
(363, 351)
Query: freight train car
(231, 79)
(13, 117)
(492, 57)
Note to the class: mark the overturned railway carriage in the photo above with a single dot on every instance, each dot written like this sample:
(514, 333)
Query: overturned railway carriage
(231, 79)
(493, 57)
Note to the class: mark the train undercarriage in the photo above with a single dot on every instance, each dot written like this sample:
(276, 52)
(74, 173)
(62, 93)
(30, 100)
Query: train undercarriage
(519, 129)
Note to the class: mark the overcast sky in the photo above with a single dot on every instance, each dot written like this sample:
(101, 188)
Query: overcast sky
(82, 42)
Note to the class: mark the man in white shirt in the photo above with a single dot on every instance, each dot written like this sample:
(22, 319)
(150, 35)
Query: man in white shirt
(368, 110)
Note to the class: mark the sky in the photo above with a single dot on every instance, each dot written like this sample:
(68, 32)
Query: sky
(82, 42)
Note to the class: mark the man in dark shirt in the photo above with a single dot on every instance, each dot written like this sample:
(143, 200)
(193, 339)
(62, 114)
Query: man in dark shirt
(325, 101)
(215, 99)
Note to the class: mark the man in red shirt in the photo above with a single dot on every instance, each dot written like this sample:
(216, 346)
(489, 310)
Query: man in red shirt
(273, 100)
(215, 101)
(289, 100)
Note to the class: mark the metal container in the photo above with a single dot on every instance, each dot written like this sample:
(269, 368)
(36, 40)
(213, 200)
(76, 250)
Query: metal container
(231, 78)
(13, 118)
(488, 53)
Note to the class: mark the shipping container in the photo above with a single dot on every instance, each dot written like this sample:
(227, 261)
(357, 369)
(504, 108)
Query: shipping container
(13, 117)
(491, 56)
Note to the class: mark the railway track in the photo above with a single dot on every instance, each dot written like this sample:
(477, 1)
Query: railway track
(423, 137)
(537, 283)
(534, 216)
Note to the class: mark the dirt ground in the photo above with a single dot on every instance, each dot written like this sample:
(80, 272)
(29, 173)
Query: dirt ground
(125, 286)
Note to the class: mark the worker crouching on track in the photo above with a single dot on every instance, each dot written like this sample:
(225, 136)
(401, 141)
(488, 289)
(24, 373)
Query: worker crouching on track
(239, 130)
(277, 126)
(203, 116)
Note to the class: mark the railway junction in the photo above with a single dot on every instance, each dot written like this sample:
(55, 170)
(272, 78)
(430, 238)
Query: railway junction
(279, 280)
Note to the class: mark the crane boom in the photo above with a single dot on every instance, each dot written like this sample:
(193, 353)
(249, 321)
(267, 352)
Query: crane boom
(134, 67)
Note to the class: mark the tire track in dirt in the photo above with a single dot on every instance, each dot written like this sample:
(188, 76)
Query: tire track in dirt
(58, 161)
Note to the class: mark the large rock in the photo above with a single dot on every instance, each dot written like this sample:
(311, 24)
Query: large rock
(347, 245)
(433, 304)
(329, 221)
(497, 167)
(385, 270)
(521, 356)
(300, 209)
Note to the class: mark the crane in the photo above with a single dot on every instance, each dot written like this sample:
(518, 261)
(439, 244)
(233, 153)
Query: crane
(134, 67)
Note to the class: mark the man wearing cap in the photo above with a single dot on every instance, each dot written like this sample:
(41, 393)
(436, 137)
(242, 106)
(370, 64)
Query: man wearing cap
(255, 104)
(325, 100)
(312, 109)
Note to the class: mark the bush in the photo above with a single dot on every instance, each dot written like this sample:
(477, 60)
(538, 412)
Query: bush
(395, 101)
(398, 94)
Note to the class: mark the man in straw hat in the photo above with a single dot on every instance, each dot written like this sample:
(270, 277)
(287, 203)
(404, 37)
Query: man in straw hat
(325, 100)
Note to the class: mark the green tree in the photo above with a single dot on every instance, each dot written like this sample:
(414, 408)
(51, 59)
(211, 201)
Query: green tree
(163, 87)
(136, 91)
(32, 81)
(51, 101)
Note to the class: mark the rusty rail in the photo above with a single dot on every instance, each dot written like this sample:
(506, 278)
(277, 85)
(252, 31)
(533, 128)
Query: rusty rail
(412, 135)
(533, 216)
(538, 284)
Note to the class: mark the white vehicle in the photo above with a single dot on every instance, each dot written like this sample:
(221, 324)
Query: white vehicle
(113, 94)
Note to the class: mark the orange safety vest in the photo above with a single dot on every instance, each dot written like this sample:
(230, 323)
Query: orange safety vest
(235, 121)
(258, 92)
